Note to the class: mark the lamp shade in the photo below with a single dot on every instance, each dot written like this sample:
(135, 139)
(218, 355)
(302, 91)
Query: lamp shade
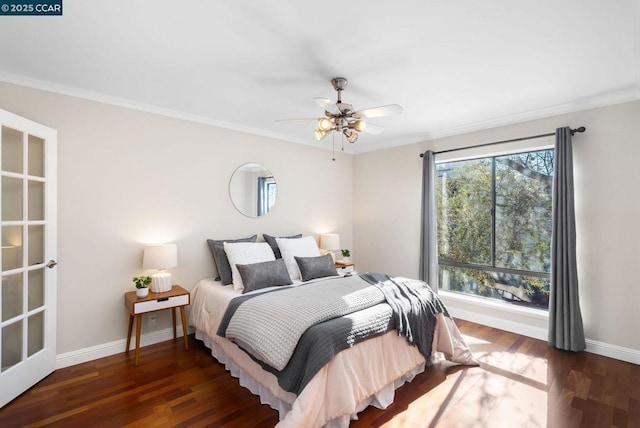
(160, 256)
(330, 241)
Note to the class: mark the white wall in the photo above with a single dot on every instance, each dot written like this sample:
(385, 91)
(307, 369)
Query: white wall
(387, 192)
(127, 177)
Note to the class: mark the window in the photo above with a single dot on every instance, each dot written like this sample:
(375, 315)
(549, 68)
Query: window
(494, 226)
(267, 194)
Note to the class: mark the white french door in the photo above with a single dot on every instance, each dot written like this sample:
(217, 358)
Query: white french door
(28, 222)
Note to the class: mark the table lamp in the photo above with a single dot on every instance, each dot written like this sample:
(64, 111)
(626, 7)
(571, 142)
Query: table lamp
(330, 242)
(162, 256)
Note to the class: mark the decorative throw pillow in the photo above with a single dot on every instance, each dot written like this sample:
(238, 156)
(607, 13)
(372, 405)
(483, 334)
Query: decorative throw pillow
(271, 240)
(316, 267)
(245, 253)
(264, 274)
(220, 257)
(301, 247)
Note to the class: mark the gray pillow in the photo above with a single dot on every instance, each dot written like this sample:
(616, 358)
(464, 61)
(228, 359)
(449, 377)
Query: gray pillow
(316, 267)
(264, 274)
(271, 240)
(220, 257)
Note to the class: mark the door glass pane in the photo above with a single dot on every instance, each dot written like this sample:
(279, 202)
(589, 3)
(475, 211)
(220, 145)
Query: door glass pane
(11, 199)
(36, 245)
(35, 333)
(36, 200)
(35, 297)
(11, 345)
(11, 296)
(11, 247)
(36, 156)
(11, 150)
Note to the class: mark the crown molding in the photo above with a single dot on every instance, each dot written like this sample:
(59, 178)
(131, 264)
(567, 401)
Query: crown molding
(147, 108)
(628, 94)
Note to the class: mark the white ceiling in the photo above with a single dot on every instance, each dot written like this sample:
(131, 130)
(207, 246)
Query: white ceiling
(455, 66)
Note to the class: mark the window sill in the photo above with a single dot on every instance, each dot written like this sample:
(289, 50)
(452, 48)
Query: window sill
(501, 315)
(496, 305)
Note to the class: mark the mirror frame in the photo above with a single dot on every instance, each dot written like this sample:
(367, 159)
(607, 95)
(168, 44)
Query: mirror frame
(253, 190)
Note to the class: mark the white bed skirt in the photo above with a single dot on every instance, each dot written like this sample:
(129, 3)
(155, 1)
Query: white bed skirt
(381, 399)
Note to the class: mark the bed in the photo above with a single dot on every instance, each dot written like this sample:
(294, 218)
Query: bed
(317, 346)
(364, 374)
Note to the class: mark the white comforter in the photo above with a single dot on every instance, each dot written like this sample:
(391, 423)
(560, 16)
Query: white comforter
(366, 374)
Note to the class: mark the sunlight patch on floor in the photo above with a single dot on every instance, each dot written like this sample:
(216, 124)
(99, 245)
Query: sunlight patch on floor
(508, 389)
(431, 405)
(516, 366)
(472, 340)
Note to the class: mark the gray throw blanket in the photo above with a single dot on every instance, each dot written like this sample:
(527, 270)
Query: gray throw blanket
(414, 306)
(413, 315)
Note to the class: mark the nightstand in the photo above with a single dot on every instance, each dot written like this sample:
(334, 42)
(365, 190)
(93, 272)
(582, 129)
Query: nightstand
(346, 268)
(178, 297)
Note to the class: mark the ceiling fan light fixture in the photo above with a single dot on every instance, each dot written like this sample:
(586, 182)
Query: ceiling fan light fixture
(352, 136)
(325, 124)
(359, 125)
(319, 134)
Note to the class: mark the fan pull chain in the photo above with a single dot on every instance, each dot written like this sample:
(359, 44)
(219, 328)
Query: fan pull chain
(333, 146)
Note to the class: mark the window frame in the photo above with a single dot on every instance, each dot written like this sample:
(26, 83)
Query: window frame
(539, 144)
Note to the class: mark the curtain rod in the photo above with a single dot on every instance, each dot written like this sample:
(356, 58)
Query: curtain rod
(573, 131)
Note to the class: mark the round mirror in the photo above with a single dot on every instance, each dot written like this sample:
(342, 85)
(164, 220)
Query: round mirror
(253, 190)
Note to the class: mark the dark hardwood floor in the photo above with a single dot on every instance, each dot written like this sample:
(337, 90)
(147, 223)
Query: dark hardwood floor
(521, 383)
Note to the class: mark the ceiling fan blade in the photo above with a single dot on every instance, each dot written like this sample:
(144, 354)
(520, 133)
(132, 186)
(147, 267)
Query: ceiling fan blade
(327, 105)
(381, 111)
(373, 129)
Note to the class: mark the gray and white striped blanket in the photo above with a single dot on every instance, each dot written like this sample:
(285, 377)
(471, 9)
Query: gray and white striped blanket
(272, 336)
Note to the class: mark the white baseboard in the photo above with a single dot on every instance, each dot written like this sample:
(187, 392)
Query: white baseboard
(106, 349)
(613, 351)
(600, 348)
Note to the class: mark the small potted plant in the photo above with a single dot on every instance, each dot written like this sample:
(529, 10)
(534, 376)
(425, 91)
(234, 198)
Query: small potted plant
(142, 285)
(346, 255)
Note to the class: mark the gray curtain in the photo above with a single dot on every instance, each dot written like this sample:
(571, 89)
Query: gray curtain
(565, 320)
(262, 197)
(428, 237)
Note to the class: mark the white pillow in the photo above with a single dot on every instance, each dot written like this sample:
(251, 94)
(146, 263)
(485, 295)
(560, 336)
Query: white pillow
(301, 247)
(244, 253)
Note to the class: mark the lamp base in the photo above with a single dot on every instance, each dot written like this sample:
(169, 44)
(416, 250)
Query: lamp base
(160, 282)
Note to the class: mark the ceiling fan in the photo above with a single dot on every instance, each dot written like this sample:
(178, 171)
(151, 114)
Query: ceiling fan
(341, 117)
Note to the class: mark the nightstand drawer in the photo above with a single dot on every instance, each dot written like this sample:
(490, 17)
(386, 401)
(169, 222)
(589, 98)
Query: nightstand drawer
(162, 303)
(345, 268)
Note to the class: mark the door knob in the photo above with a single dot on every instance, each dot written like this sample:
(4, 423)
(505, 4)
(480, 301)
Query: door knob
(51, 263)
